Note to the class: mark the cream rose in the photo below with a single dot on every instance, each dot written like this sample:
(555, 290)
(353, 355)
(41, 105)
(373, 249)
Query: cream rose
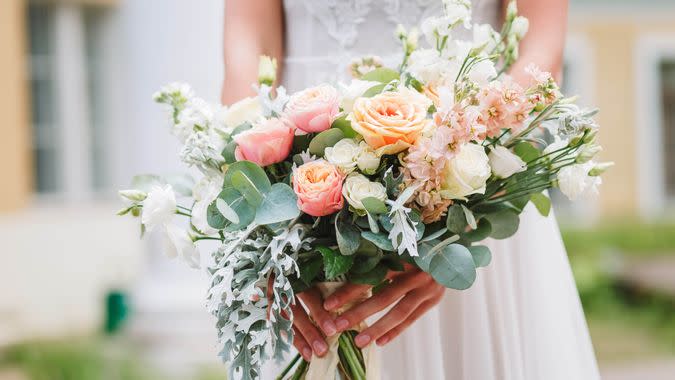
(391, 122)
(466, 173)
(357, 187)
(343, 154)
(247, 109)
(367, 160)
(504, 163)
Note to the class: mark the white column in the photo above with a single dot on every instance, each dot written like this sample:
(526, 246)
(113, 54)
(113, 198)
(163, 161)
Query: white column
(72, 101)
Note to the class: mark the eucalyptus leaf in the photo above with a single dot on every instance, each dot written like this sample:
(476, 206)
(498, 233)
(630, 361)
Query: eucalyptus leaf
(228, 152)
(345, 126)
(482, 231)
(235, 200)
(380, 240)
(481, 255)
(542, 203)
(245, 126)
(335, 264)
(526, 151)
(254, 173)
(372, 223)
(374, 206)
(456, 219)
(453, 267)
(324, 140)
(520, 203)
(372, 277)
(470, 218)
(247, 188)
(347, 235)
(382, 75)
(364, 264)
(504, 224)
(227, 211)
(278, 205)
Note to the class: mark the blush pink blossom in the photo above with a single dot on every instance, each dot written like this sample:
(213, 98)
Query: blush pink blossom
(267, 143)
(314, 109)
(318, 185)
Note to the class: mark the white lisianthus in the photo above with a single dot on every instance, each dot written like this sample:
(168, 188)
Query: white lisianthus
(600, 168)
(343, 154)
(519, 27)
(457, 11)
(504, 163)
(133, 195)
(587, 152)
(367, 160)
(466, 173)
(267, 70)
(511, 10)
(482, 72)
(352, 91)
(575, 181)
(485, 37)
(247, 109)
(272, 105)
(556, 145)
(197, 112)
(357, 187)
(177, 242)
(205, 192)
(159, 207)
(427, 65)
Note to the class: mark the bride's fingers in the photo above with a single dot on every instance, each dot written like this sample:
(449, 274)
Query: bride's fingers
(414, 316)
(301, 345)
(312, 299)
(390, 294)
(308, 330)
(344, 295)
(394, 317)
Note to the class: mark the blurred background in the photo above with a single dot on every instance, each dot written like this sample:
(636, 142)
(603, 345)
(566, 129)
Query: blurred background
(81, 297)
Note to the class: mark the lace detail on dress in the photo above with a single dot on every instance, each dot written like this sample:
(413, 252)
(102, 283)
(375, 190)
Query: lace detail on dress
(410, 12)
(340, 17)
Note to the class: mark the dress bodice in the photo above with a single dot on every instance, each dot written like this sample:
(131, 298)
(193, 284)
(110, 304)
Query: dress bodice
(323, 36)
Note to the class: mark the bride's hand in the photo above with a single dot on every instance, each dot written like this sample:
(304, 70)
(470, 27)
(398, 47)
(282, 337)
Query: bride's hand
(308, 338)
(413, 291)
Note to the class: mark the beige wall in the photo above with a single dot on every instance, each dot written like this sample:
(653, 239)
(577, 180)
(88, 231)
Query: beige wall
(15, 157)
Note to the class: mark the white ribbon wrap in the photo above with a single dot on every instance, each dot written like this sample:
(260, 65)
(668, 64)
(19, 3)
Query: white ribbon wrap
(326, 367)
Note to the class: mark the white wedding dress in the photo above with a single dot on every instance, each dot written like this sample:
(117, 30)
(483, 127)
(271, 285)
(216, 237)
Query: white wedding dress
(522, 319)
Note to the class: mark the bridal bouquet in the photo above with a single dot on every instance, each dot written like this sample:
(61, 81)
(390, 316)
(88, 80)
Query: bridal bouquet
(413, 164)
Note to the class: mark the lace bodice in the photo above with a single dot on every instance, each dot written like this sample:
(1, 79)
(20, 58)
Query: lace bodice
(322, 36)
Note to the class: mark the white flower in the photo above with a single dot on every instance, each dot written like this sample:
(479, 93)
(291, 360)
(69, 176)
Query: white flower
(556, 145)
(343, 154)
(205, 192)
(267, 70)
(159, 207)
(484, 37)
(575, 181)
(201, 148)
(272, 106)
(511, 10)
(427, 65)
(197, 113)
(587, 152)
(357, 187)
(176, 90)
(466, 173)
(133, 195)
(367, 160)
(354, 90)
(519, 27)
(177, 242)
(482, 72)
(247, 109)
(458, 11)
(504, 163)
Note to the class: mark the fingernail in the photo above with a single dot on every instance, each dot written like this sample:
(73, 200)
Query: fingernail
(329, 328)
(362, 340)
(307, 353)
(320, 347)
(330, 304)
(341, 324)
(382, 341)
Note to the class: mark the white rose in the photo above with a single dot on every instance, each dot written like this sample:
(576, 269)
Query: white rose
(354, 90)
(504, 163)
(519, 27)
(343, 154)
(247, 109)
(427, 66)
(357, 187)
(367, 161)
(177, 242)
(466, 173)
(482, 72)
(205, 192)
(575, 181)
(159, 207)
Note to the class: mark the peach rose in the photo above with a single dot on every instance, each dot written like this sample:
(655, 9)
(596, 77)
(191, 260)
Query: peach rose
(391, 122)
(268, 142)
(318, 185)
(314, 109)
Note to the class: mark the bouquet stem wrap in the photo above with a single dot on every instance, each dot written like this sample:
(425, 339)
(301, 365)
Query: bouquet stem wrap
(320, 368)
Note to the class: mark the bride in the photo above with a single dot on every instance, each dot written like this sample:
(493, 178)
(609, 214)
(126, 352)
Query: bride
(522, 318)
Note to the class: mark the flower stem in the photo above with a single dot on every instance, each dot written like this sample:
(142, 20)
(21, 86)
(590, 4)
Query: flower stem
(288, 367)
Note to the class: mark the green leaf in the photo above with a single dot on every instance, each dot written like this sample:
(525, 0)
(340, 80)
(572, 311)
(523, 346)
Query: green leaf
(382, 75)
(481, 255)
(374, 206)
(453, 267)
(254, 173)
(392, 183)
(393, 263)
(347, 235)
(526, 151)
(228, 152)
(380, 240)
(301, 142)
(542, 203)
(366, 248)
(470, 218)
(335, 264)
(310, 269)
(423, 259)
(456, 219)
(345, 126)
(519, 203)
(364, 264)
(504, 223)
(236, 202)
(324, 140)
(227, 211)
(247, 188)
(372, 277)
(245, 126)
(278, 205)
(375, 90)
(386, 223)
(483, 231)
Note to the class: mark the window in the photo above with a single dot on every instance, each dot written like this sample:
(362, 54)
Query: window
(69, 126)
(667, 71)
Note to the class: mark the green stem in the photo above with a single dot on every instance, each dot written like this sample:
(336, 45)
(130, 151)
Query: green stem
(352, 359)
(198, 238)
(300, 371)
(288, 367)
(179, 212)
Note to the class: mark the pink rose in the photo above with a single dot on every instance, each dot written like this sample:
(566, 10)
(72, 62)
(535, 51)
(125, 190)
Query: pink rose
(318, 186)
(266, 143)
(314, 109)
